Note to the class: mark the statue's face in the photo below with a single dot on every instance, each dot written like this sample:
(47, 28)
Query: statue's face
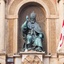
(32, 17)
(32, 20)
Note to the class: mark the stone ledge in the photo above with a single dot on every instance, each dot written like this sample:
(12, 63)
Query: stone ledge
(47, 56)
(28, 53)
(53, 17)
(11, 17)
(2, 54)
(32, 52)
(17, 56)
(60, 53)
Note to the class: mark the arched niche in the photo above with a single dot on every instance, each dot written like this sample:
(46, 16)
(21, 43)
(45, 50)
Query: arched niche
(26, 9)
(15, 8)
(16, 3)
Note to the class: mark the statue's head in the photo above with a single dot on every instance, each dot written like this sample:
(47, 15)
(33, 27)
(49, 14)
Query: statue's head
(32, 17)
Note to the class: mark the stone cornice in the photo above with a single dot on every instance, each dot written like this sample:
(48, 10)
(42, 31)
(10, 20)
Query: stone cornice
(15, 17)
(47, 56)
(53, 17)
(17, 56)
(60, 53)
(39, 53)
(2, 54)
(11, 17)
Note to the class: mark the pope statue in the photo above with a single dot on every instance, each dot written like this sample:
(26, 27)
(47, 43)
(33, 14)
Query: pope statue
(32, 34)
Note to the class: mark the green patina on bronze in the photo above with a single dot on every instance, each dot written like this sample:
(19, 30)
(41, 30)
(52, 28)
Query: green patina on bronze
(32, 34)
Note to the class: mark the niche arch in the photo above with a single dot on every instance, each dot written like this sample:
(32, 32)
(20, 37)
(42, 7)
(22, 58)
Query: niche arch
(14, 10)
(26, 9)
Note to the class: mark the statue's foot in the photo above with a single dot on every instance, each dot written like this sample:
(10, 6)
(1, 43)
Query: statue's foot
(38, 49)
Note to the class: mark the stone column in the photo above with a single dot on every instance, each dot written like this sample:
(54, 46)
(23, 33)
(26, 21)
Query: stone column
(2, 23)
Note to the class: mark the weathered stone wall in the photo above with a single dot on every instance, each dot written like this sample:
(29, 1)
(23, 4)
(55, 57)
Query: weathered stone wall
(9, 27)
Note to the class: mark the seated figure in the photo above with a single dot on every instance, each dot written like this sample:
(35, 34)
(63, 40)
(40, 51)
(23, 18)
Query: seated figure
(32, 34)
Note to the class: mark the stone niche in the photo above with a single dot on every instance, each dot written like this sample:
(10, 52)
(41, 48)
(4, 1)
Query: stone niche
(46, 17)
(26, 9)
(31, 57)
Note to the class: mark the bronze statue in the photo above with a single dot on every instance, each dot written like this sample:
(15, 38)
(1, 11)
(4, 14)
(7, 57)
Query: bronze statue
(32, 34)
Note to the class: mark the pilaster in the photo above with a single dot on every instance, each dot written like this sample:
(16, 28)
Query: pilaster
(2, 24)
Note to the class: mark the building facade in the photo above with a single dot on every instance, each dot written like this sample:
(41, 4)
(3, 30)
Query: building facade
(50, 15)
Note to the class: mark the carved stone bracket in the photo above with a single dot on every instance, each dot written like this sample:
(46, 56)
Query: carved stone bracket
(32, 57)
